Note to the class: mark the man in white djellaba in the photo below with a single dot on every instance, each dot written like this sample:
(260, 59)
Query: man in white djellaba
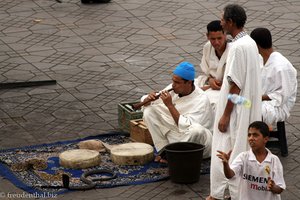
(213, 62)
(181, 115)
(279, 79)
(242, 77)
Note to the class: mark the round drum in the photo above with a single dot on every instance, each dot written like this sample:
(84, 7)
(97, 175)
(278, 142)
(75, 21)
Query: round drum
(132, 153)
(79, 158)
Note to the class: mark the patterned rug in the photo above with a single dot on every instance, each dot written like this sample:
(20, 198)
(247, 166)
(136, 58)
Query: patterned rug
(49, 180)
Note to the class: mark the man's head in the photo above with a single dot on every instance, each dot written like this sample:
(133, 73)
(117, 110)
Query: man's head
(183, 78)
(258, 135)
(234, 16)
(262, 37)
(216, 36)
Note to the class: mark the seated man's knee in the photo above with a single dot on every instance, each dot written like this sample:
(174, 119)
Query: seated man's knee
(196, 134)
(269, 114)
(203, 137)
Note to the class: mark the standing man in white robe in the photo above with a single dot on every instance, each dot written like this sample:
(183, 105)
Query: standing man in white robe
(213, 62)
(181, 115)
(242, 77)
(279, 80)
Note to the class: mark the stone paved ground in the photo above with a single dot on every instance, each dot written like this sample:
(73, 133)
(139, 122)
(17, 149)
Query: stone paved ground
(104, 54)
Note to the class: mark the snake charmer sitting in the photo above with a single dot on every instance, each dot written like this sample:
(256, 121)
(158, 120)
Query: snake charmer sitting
(181, 115)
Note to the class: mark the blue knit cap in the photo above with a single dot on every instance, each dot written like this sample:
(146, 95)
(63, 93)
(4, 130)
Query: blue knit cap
(185, 70)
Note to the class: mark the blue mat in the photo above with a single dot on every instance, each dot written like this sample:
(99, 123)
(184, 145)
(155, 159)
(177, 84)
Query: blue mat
(34, 181)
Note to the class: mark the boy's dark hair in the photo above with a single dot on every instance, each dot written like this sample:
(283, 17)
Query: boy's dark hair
(262, 37)
(214, 26)
(236, 13)
(261, 126)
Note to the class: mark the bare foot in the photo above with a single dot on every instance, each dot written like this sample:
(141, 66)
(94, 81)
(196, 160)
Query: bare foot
(210, 198)
(157, 158)
(160, 160)
(227, 197)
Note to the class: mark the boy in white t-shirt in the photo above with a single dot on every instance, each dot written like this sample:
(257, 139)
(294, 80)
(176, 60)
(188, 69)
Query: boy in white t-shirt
(260, 171)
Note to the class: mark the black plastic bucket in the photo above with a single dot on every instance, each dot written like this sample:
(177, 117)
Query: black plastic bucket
(184, 161)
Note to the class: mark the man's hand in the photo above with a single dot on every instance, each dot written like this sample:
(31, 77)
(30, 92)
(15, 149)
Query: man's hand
(224, 123)
(225, 119)
(214, 83)
(205, 87)
(224, 156)
(151, 97)
(166, 98)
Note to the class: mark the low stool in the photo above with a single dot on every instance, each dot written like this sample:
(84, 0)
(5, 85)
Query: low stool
(280, 139)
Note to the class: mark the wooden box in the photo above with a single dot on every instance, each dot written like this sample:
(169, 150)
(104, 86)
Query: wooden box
(125, 114)
(139, 132)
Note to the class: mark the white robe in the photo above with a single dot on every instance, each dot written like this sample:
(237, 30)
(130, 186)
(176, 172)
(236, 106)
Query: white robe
(211, 65)
(194, 125)
(243, 67)
(279, 82)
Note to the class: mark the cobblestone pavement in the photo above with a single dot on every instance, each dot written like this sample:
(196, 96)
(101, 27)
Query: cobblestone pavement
(103, 54)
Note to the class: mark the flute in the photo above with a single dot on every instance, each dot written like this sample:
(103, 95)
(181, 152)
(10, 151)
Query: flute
(137, 106)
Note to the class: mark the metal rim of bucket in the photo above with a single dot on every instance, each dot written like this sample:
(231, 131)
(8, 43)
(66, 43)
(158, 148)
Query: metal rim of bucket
(180, 151)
